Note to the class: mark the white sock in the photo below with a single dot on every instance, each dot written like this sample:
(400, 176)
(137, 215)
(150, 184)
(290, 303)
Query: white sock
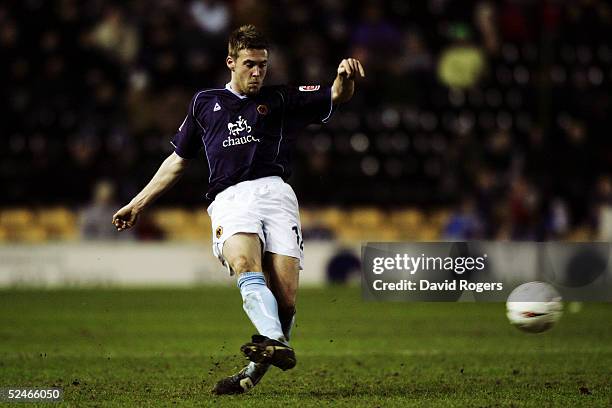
(256, 371)
(260, 305)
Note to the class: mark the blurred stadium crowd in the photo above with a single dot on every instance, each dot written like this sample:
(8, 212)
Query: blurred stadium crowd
(493, 118)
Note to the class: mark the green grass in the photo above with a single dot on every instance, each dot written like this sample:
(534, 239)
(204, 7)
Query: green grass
(168, 347)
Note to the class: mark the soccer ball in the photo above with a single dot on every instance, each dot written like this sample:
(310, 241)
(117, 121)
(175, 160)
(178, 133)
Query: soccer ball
(534, 307)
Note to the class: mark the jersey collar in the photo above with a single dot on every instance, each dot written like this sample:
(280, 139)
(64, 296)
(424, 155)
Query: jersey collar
(229, 88)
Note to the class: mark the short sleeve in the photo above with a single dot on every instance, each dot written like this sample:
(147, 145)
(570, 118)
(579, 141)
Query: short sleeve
(309, 104)
(187, 141)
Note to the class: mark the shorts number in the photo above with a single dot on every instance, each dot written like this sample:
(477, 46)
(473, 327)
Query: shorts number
(299, 239)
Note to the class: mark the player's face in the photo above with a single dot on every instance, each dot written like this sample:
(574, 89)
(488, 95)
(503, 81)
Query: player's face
(248, 70)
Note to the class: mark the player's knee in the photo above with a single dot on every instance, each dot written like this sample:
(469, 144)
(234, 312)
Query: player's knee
(243, 263)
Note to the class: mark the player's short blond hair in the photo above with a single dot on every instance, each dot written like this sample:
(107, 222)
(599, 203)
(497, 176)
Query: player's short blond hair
(246, 37)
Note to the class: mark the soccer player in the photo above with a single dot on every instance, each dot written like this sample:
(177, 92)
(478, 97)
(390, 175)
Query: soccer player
(247, 132)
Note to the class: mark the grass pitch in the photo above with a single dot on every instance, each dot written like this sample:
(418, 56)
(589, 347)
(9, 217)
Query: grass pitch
(168, 347)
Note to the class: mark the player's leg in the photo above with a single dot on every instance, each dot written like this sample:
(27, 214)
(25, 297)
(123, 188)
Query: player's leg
(243, 253)
(282, 273)
(284, 249)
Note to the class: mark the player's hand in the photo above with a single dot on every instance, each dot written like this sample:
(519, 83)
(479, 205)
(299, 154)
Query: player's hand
(351, 68)
(125, 218)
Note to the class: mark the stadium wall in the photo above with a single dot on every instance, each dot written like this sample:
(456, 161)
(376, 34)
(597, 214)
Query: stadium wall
(132, 264)
(135, 264)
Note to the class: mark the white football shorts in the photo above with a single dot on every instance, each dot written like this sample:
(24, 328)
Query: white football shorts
(267, 207)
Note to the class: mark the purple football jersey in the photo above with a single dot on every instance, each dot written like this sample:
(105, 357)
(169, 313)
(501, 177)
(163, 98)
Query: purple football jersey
(249, 137)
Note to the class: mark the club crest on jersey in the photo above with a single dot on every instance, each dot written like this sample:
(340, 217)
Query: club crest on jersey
(309, 88)
(219, 232)
(262, 110)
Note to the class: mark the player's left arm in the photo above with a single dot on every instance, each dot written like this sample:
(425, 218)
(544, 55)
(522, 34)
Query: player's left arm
(344, 84)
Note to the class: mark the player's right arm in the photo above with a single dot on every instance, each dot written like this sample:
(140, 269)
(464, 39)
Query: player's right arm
(168, 173)
(187, 142)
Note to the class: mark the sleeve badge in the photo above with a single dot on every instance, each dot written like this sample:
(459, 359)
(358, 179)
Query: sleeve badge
(309, 88)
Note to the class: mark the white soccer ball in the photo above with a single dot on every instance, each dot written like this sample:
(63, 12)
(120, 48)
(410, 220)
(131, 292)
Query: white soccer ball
(534, 307)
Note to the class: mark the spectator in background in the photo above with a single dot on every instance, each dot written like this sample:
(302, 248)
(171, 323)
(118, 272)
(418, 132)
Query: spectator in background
(575, 170)
(376, 35)
(601, 208)
(514, 22)
(374, 30)
(200, 39)
(536, 161)
(501, 155)
(410, 72)
(211, 16)
(485, 20)
(94, 223)
(117, 36)
(487, 196)
(414, 55)
(465, 223)
(558, 220)
(523, 203)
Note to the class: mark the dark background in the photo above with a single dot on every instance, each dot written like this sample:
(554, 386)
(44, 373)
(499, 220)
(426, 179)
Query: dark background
(515, 138)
